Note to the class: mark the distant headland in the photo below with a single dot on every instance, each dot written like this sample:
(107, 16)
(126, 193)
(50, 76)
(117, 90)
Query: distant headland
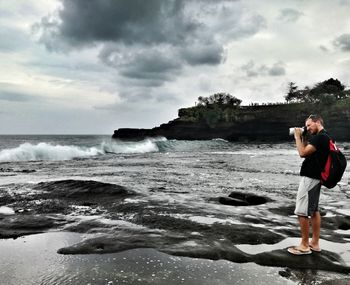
(222, 116)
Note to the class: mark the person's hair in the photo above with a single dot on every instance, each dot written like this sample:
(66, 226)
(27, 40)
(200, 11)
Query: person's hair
(315, 118)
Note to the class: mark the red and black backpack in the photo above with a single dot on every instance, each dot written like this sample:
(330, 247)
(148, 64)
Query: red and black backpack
(335, 166)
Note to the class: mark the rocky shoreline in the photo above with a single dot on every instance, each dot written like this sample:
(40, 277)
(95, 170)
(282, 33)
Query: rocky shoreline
(59, 205)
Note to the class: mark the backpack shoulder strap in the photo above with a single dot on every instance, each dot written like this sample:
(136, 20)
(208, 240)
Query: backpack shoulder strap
(330, 140)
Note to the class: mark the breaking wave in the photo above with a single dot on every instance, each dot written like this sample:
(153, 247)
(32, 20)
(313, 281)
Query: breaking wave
(49, 151)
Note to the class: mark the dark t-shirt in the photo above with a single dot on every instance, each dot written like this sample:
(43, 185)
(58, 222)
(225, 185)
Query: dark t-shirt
(314, 164)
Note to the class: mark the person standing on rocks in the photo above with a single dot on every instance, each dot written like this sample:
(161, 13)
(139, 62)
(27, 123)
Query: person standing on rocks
(315, 153)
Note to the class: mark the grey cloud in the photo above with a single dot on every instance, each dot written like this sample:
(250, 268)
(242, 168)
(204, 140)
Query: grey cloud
(323, 48)
(343, 42)
(146, 67)
(16, 93)
(251, 70)
(12, 39)
(149, 22)
(247, 26)
(211, 54)
(153, 64)
(131, 99)
(289, 15)
(149, 42)
(142, 83)
(13, 96)
(167, 98)
(277, 69)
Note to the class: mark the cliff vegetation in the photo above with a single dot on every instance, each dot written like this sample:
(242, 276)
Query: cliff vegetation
(221, 115)
(324, 97)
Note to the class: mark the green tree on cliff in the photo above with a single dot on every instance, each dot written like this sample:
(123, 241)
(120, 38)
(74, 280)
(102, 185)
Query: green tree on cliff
(222, 100)
(328, 91)
(293, 94)
(325, 92)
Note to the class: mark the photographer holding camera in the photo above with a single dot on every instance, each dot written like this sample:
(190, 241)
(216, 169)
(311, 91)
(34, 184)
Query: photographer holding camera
(315, 153)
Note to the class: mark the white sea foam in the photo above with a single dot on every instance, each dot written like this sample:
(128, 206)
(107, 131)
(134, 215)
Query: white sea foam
(6, 210)
(48, 151)
(345, 212)
(148, 145)
(220, 140)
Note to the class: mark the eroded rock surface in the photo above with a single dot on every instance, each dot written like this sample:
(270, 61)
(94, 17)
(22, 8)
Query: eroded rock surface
(203, 247)
(122, 222)
(47, 205)
(243, 199)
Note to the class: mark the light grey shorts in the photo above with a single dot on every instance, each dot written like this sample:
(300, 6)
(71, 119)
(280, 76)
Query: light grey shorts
(307, 197)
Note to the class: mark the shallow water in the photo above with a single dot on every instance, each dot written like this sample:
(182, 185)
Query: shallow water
(35, 261)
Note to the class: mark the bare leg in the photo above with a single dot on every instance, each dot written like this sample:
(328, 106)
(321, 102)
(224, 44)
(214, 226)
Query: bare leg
(316, 228)
(304, 229)
(303, 247)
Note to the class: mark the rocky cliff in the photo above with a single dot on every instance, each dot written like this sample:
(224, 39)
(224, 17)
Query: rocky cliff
(250, 123)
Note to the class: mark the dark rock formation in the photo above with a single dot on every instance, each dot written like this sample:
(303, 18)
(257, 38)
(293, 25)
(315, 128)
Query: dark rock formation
(202, 247)
(19, 225)
(326, 260)
(42, 209)
(237, 234)
(81, 189)
(243, 199)
(253, 123)
(232, 201)
(164, 227)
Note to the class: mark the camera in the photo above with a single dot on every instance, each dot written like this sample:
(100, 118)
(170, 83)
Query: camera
(303, 131)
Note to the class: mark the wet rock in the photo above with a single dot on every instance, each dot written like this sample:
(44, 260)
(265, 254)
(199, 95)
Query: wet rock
(6, 199)
(120, 241)
(5, 169)
(285, 273)
(54, 206)
(344, 226)
(237, 234)
(57, 198)
(284, 210)
(326, 260)
(19, 225)
(245, 234)
(174, 244)
(81, 188)
(251, 199)
(27, 171)
(17, 170)
(88, 226)
(212, 251)
(232, 201)
(336, 222)
(243, 199)
(203, 247)
(345, 281)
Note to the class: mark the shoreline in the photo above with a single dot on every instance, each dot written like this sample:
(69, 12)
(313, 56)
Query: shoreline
(202, 201)
(35, 257)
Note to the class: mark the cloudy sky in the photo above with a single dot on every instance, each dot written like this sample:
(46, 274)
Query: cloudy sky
(89, 67)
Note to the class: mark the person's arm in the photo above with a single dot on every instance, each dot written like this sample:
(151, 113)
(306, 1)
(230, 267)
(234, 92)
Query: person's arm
(304, 150)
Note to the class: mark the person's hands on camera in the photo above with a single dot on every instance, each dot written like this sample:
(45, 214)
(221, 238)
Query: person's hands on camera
(298, 133)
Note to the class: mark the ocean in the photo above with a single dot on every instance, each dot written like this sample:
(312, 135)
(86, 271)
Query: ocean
(170, 219)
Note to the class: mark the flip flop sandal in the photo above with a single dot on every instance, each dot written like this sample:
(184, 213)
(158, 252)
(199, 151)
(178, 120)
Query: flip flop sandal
(296, 251)
(314, 249)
